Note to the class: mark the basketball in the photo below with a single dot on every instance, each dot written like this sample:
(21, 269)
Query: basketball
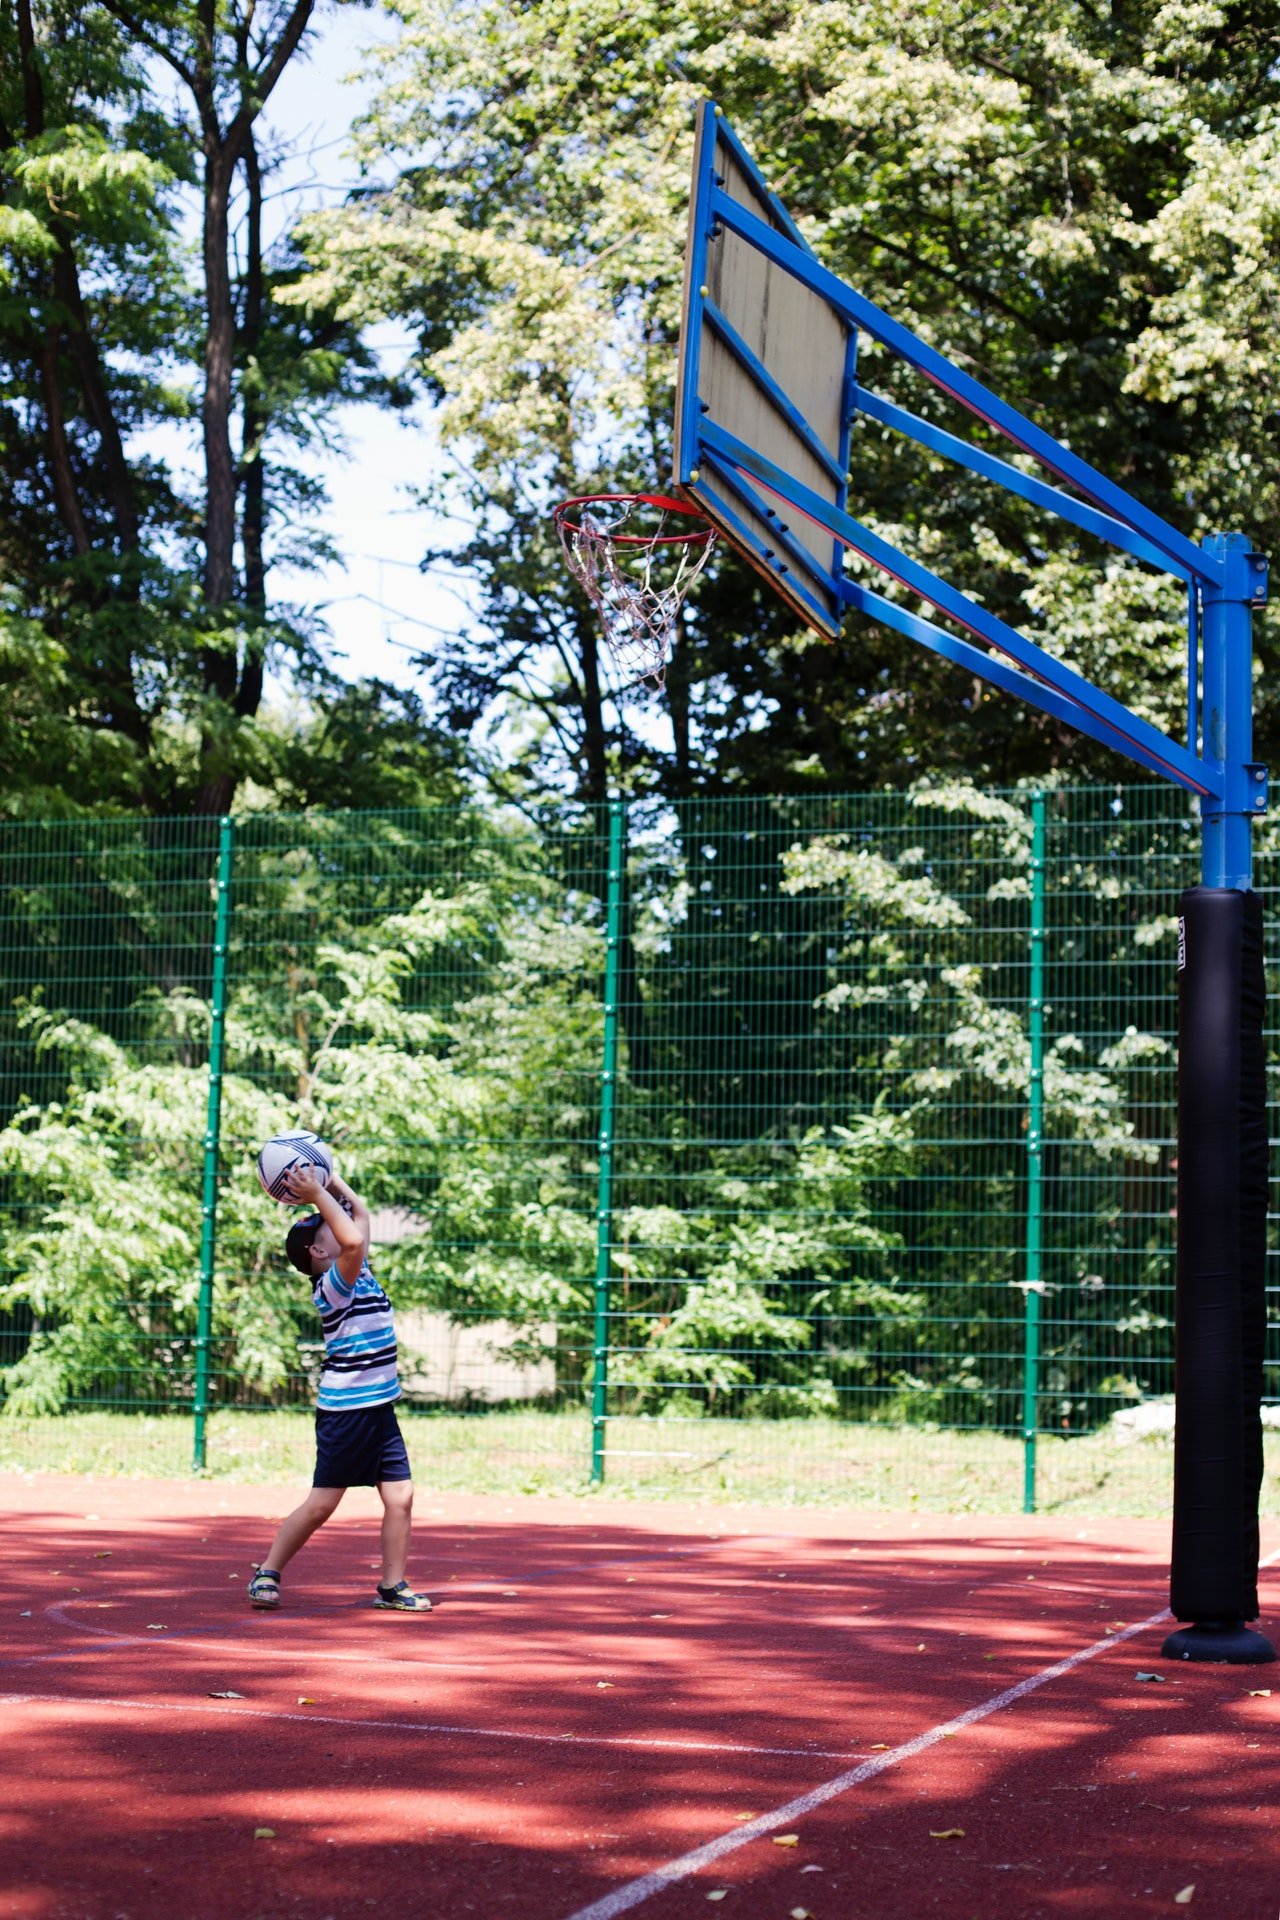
(285, 1151)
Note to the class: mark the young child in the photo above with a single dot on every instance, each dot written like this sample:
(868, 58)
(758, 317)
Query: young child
(358, 1439)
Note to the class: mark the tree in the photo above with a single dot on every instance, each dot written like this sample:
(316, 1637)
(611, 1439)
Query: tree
(1033, 190)
(229, 63)
(819, 1197)
(151, 607)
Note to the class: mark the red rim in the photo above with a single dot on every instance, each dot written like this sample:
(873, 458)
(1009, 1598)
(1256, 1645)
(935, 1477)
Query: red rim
(663, 501)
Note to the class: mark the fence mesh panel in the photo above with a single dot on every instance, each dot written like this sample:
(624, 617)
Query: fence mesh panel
(818, 1226)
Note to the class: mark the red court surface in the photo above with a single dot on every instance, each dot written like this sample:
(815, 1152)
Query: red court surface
(603, 1696)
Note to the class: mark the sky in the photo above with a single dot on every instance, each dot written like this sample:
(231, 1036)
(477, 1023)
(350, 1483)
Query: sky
(377, 606)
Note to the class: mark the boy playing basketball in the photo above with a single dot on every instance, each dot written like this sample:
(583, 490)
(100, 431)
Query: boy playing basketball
(358, 1440)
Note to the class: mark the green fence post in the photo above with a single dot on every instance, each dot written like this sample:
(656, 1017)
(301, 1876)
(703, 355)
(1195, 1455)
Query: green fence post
(213, 1131)
(604, 1186)
(1035, 1138)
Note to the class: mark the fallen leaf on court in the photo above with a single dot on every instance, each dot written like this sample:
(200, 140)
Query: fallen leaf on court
(604, 1683)
(659, 1616)
(1259, 1693)
(946, 1833)
(1183, 1899)
(786, 1839)
(744, 1816)
(226, 1693)
(717, 1893)
(510, 1593)
(305, 1700)
(988, 1656)
(811, 1868)
(157, 1627)
(106, 1555)
(1150, 1676)
(264, 1833)
(630, 1581)
(920, 1648)
(881, 1746)
(801, 1913)
(233, 1576)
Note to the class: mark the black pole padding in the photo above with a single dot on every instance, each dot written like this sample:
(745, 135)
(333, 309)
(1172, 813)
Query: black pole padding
(1221, 1323)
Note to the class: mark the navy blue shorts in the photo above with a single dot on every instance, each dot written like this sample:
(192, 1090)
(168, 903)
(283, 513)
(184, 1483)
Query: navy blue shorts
(359, 1449)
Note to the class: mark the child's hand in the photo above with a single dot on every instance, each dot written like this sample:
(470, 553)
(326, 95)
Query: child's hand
(303, 1187)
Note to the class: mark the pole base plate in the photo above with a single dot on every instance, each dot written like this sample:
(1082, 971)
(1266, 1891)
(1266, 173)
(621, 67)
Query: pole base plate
(1229, 1641)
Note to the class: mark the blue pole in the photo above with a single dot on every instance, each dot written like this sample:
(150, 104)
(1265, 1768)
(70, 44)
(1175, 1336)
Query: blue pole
(1227, 711)
(1222, 1156)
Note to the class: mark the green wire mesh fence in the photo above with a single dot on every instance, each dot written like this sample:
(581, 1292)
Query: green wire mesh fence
(813, 1147)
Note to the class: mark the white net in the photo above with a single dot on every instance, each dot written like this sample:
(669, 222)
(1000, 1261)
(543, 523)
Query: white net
(636, 558)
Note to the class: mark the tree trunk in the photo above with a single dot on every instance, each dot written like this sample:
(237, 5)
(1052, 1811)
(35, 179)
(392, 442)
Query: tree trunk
(220, 662)
(595, 740)
(678, 708)
(65, 493)
(215, 412)
(84, 352)
(252, 460)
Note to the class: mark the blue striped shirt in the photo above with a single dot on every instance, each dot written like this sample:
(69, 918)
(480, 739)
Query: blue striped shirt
(359, 1343)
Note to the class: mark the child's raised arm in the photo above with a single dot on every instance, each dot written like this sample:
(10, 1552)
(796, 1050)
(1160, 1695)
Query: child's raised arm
(350, 1230)
(358, 1210)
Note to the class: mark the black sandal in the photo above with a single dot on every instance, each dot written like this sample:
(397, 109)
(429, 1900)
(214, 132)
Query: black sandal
(402, 1599)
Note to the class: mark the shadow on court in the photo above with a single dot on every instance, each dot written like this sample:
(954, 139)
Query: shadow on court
(598, 1693)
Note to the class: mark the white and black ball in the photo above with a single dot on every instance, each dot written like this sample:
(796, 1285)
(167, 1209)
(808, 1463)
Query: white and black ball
(286, 1152)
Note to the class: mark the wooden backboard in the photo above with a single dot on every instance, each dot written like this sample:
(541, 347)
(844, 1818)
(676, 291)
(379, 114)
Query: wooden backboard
(767, 361)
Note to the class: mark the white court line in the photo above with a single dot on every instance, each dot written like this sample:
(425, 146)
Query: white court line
(107, 1640)
(412, 1726)
(635, 1891)
(233, 1651)
(624, 1897)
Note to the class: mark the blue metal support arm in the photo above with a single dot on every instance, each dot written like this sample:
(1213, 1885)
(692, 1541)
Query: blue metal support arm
(747, 162)
(1113, 500)
(764, 379)
(1127, 730)
(739, 485)
(1025, 485)
(963, 653)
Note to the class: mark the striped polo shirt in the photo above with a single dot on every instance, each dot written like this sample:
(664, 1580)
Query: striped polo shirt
(359, 1343)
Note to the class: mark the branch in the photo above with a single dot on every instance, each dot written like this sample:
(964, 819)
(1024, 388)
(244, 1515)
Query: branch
(265, 78)
(133, 25)
(32, 85)
(957, 279)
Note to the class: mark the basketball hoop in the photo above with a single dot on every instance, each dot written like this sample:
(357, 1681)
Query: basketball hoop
(636, 577)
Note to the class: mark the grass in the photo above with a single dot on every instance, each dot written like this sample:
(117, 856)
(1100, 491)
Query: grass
(820, 1463)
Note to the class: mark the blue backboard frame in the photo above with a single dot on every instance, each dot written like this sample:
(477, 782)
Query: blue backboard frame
(743, 490)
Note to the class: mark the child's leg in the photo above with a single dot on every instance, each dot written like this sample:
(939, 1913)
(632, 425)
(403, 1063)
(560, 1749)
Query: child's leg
(397, 1520)
(297, 1527)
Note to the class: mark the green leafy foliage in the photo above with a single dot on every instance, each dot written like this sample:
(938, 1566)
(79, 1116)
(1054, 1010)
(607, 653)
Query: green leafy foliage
(1078, 208)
